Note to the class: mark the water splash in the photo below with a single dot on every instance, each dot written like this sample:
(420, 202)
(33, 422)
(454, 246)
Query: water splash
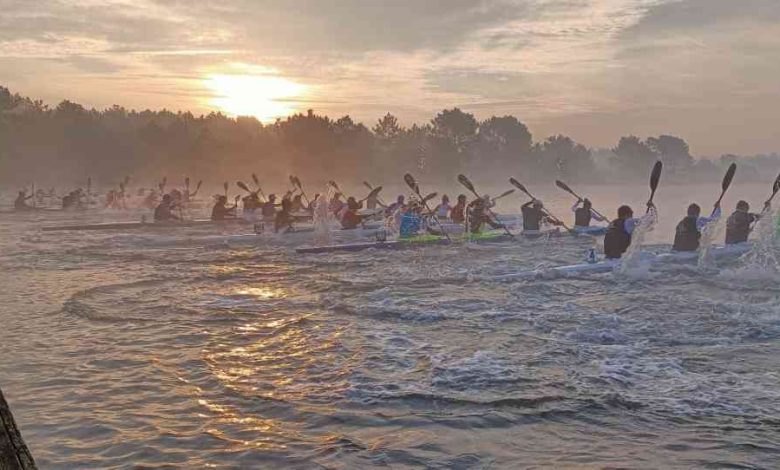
(323, 218)
(633, 264)
(705, 260)
(761, 263)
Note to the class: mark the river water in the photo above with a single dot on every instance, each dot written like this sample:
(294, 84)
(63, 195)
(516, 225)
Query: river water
(117, 351)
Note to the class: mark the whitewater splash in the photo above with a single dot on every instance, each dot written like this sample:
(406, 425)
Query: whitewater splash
(761, 263)
(633, 265)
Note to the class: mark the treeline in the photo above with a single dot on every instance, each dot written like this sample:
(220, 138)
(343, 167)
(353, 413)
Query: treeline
(67, 143)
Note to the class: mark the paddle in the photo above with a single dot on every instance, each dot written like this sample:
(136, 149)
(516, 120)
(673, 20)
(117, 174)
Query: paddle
(504, 194)
(225, 185)
(467, 183)
(163, 184)
(297, 183)
(335, 186)
(519, 186)
(368, 185)
(243, 186)
(197, 188)
(187, 185)
(373, 193)
(409, 179)
(566, 188)
(655, 177)
(775, 189)
(257, 183)
(727, 178)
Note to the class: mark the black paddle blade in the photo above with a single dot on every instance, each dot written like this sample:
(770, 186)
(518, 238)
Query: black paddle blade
(292, 181)
(729, 176)
(563, 186)
(165, 180)
(255, 179)
(243, 186)
(776, 186)
(374, 192)
(429, 197)
(655, 176)
(410, 181)
(462, 179)
(199, 184)
(225, 185)
(518, 185)
(504, 194)
(187, 182)
(368, 185)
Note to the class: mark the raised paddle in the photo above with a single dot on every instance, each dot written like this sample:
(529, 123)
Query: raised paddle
(368, 185)
(187, 184)
(410, 181)
(520, 186)
(243, 186)
(373, 193)
(566, 188)
(225, 185)
(775, 189)
(462, 179)
(727, 178)
(504, 194)
(297, 182)
(655, 177)
(257, 183)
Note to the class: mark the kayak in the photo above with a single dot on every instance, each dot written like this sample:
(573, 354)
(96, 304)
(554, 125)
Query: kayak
(593, 231)
(609, 265)
(409, 242)
(143, 224)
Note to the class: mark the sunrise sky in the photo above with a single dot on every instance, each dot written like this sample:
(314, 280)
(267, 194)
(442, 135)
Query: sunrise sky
(706, 70)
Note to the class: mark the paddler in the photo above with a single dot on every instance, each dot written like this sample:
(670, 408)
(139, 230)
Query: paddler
(479, 214)
(164, 210)
(398, 205)
(741, 222)
(20, 204)
(297, 204)
(688, 231)
(283, 219)
(336, 205)
(458, 211)
(583, 215)
(220, 211)
(534, 214)
(618, 236)
(350, 218)
(269, 208)
(251, 202)
(411, 221)
(442, 211)
(372, 202)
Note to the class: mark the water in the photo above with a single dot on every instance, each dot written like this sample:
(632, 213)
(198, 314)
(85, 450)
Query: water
(116, 355)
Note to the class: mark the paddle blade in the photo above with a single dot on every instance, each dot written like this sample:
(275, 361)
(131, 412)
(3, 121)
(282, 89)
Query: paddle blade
(164, 180)
(728, 177)
(410, 181)
(563, 186)
(374, 192)
(655, 176)
(243, 186)
(429, 197)
(518, 185)
(187, 182)
(368, 185)
(292, 181)
(255, 179)
(462, 179)
(199, 184)
(776, 186)
(504, 194)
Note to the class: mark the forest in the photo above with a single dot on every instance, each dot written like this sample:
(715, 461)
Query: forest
(68, 143)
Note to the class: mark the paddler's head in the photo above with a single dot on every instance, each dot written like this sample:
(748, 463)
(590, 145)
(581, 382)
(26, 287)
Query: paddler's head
(272, 197)
(400, 199)
(625, 212)
(694, 210)
(586, 203)
(538, 204)
(352, 203)
(461, 199)
(167, 198)
(221, 199)
(445, 199)
(743, 206)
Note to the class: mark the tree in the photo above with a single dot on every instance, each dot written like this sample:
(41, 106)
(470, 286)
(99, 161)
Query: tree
(633, 157)
(673, 151)
(387, 128)
(455, 127)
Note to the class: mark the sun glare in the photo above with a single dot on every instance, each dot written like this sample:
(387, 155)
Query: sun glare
(263, 97)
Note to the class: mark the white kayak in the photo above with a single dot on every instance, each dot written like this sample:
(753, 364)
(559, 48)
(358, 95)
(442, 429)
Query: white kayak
(594, 231)
(609, 265)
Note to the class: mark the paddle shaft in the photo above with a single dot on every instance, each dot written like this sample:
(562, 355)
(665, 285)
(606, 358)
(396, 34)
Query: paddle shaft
(470, 187)
(571, 191)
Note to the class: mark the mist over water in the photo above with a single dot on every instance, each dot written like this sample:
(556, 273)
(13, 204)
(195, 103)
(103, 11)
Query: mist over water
(118, 350)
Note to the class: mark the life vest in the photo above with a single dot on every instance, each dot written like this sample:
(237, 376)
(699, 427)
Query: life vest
(582, 217)
(410, 225)
(532, 218)
(738, 227)
(687, 235)
(617, 239)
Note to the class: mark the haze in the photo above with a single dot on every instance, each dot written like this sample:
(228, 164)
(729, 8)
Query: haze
(595, 70)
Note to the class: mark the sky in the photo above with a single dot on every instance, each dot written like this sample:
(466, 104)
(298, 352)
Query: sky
(705, 70)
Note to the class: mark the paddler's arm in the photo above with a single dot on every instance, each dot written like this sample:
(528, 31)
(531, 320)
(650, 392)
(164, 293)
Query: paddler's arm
(701, 222)
(576, 205)
(597, 217)
(528, 204)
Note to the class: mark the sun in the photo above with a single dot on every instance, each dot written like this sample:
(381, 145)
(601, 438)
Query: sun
(261, 96)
